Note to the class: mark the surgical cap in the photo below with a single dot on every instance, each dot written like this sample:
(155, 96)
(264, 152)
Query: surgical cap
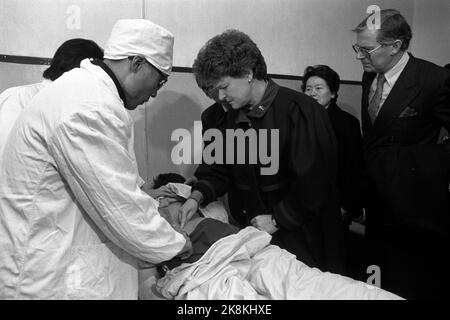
(131, 37)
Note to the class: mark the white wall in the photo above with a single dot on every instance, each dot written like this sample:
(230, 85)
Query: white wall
(38, 27)
(431, 31)
(291, 34)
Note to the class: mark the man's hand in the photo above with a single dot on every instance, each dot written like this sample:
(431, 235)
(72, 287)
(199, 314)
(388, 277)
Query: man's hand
(186, 211)
(264, 222)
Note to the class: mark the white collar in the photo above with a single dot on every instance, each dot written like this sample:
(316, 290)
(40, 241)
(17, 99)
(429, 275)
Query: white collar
(392, 74)
(100, 73)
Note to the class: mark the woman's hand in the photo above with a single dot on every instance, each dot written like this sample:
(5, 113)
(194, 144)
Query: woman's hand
(186, 211)
(264, 222)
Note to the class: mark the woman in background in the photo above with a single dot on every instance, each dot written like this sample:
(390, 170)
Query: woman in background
(322, 84)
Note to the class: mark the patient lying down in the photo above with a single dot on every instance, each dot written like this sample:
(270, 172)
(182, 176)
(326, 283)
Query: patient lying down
(228, 263)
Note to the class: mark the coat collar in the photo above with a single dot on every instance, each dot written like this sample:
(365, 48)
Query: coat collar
(260, 110)
(106, 78)
(113, 77)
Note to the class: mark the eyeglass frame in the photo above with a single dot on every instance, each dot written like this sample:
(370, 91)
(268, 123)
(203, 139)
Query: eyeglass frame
(163, 76)
(366, 53)
(369, 52)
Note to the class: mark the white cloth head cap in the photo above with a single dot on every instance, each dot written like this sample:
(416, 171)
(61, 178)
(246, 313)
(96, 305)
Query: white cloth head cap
(131, 37)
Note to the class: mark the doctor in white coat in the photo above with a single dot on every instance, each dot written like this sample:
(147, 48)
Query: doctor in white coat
(67, 56)
(74, 222)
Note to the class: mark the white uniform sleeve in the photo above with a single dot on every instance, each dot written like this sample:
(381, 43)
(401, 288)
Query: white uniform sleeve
(91, 152)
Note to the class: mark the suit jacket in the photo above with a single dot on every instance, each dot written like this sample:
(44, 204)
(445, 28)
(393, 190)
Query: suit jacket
(407, 172)
(350, 158)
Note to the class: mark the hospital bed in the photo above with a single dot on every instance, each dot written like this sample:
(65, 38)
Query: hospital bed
(246, 266)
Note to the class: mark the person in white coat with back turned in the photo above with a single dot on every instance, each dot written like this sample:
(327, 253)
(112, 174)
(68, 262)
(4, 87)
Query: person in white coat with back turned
(74, 222)
(14, 100)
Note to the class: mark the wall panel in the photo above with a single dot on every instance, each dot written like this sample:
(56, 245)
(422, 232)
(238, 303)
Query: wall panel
(38, 27)
(291, 34)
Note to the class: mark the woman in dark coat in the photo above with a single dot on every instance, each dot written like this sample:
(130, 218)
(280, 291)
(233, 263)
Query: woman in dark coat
(294, 195)
(322, 84)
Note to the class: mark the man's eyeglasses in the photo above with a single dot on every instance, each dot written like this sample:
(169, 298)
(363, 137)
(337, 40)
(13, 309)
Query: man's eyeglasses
(163, 77)
(364, 51)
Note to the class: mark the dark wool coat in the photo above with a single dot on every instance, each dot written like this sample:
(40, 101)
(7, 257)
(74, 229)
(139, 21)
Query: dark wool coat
(302, 195)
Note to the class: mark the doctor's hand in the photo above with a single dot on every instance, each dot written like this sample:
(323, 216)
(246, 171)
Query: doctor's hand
(186, 211)
(264, 222)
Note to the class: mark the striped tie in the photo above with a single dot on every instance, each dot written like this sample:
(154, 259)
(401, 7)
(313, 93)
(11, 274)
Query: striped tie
(374, 104)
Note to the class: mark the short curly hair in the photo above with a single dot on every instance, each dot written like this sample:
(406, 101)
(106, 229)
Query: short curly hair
(231, 53)
(324, 72)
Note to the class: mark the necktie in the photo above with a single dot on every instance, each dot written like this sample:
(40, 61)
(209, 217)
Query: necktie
(374, 104)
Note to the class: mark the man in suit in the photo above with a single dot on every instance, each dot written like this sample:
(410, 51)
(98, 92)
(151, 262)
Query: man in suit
(405, 103)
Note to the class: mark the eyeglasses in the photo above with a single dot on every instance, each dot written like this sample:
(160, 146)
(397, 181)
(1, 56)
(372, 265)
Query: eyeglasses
(364, 51)
(163, 77)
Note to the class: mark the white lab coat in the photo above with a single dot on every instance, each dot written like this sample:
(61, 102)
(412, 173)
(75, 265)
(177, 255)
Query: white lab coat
(12, 102)
(73, 219)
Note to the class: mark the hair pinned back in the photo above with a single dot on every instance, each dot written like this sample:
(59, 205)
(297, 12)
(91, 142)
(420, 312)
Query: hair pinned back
(69, 55)
(324, 72)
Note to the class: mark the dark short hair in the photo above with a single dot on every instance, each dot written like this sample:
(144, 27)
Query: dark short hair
(70, 54)
(393, 27)
(324, 72)
(231, 53)
(447, 66)
(164, 178)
